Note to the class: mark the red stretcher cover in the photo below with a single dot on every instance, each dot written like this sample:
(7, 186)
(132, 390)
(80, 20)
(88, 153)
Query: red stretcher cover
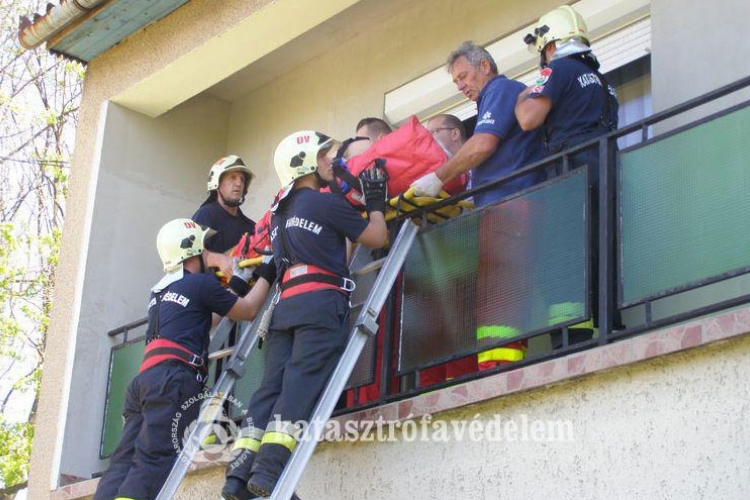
(410, 152)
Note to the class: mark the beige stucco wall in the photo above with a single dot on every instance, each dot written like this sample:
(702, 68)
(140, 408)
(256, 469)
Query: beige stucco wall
(150, 171)
(96, 291)
(697, 48)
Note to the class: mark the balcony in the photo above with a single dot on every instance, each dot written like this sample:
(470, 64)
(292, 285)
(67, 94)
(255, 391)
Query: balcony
(653, 245)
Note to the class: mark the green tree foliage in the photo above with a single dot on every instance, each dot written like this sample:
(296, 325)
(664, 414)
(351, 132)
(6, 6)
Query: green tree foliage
(39, 98)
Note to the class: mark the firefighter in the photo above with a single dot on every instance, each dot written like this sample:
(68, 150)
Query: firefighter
(308, 331)
(572, 103)
(228, 181)
(174, 366)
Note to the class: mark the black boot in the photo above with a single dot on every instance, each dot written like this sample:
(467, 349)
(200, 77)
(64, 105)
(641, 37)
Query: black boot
(268, 466)
(236, 489)
(238, 472)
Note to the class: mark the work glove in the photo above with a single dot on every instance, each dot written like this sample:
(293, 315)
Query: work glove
(266, 269)
(240, 276)
(427, 185)
(374, 182)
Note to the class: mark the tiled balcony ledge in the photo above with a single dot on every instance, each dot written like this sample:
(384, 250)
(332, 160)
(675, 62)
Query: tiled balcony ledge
(646, 346)
(668, 340)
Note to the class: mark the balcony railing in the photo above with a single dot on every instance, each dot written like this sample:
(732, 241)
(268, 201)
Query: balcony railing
(654, 237)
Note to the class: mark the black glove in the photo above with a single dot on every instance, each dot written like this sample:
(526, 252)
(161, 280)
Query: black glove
(266, 270)
(238, 281)
(374, 182)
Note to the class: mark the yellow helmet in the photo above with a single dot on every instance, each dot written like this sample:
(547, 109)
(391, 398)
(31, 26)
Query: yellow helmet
(560, 24)
(178, 240)
(297, 155)
(229, 163)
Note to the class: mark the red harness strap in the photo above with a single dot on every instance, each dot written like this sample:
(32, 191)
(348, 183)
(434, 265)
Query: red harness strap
(302, 278)
(160, 350)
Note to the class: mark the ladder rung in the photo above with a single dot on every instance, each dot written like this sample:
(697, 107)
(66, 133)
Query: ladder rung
(370, 267)
(221, 353)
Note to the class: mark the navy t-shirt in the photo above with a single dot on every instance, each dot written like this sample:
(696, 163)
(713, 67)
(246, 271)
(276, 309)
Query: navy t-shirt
(517, 149)
(185, 310)
(229, 228)
(578, 102)
(317, 226)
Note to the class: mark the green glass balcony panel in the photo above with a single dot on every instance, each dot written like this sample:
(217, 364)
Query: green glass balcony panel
(368, 362)
(519, 265)
(244, 388)
(684, 208)
(124, 362)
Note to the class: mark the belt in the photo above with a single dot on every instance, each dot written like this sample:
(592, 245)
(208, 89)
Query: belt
(160, 350)
(302, 278)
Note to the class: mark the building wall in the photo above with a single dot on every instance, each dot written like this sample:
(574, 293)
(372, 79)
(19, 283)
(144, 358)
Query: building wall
(672, 427)
(150, 171)
(119, 198)
(697, 48)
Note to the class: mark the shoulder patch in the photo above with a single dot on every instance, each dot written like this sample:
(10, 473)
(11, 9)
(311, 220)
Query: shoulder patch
(541, 80)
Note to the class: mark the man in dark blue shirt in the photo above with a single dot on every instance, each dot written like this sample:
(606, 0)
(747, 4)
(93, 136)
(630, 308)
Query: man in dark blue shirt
(497, 148)
(156, 410)
(310, 235)
(571, 103)
(227, 185)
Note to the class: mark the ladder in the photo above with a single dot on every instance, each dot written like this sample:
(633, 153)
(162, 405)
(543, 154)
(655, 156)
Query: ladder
(364, 326)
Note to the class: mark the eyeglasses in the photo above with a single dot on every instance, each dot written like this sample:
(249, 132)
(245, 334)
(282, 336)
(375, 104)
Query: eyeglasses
(438, 129)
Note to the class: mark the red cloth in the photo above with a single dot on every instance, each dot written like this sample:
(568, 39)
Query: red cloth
(410, 152)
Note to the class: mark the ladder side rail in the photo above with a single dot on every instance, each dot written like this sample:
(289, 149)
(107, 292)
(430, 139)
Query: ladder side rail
(221, 334)
(365, 325)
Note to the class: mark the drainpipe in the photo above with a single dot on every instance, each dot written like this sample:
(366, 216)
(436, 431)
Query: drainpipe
(34, 33)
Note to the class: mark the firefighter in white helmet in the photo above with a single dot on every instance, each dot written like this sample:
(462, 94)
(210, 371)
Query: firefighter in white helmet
(572, 103)
(228, 181)
(571, 99)
(308, 331)
(174, 367)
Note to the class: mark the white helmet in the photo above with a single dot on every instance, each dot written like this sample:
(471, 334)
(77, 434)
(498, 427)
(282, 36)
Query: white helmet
(297, 155)
(229, 163)
(560, 24)
(178, 240)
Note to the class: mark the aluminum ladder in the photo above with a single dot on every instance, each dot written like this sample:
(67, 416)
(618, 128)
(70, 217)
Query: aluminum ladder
(364, 326)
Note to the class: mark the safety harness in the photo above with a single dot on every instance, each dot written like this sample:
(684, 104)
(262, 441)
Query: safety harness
(299, 277)
(159, 350)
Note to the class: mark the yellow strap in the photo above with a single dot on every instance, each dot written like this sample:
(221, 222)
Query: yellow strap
(407, 202)
(282, 438)
(501, 354)
(246, 443)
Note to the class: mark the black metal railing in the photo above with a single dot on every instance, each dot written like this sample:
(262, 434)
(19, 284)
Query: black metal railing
(605, 273)
(597, 271)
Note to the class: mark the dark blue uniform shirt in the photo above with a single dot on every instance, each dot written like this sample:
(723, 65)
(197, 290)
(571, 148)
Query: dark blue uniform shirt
(517, 149)
(317, 226)
(229, 228)
(185, 310)
(578, 103)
